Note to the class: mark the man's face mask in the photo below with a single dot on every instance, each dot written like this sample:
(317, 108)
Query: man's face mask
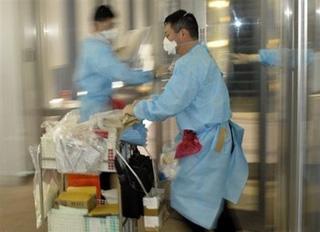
(110, 34)
(169, 46)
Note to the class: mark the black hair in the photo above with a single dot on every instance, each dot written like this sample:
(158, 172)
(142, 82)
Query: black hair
(182, 19)
(102, 13)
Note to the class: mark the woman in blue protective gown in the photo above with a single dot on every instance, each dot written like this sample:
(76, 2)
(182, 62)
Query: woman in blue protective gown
(197, 96)
(98, 67)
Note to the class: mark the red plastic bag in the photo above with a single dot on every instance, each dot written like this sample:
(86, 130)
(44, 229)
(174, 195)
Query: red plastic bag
(189, 145)
(117, 104)
(101, 133)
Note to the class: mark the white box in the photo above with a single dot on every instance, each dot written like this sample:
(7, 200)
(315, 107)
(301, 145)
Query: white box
(155, 199)
(154, 223)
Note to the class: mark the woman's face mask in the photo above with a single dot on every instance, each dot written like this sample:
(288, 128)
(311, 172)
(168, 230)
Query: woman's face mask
(170, 46)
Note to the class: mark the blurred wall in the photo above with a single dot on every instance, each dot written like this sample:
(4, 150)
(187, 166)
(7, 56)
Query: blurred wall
(18, 101)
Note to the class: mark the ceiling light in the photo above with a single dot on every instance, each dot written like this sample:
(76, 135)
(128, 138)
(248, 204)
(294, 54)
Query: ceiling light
(218, 4)
(288, 12)
(218, 43)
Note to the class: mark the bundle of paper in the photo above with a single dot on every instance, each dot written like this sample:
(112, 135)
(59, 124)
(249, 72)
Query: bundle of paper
(110, 224)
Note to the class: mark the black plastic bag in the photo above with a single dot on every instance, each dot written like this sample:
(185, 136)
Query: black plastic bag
(131, 191)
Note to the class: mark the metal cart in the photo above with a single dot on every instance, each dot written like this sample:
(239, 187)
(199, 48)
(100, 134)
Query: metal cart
(125, 224)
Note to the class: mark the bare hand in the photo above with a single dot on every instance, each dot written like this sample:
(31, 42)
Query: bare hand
(128, 109)
(240, 58)
(162, 71)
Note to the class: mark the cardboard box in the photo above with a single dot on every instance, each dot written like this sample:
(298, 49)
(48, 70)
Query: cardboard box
(83, 180)
(155, 223)
(82, 189)
(77, 200)
(105, 210)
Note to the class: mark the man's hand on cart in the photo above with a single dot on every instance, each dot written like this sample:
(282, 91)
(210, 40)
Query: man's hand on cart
(128, 115)
(128, 109)
(162, 70)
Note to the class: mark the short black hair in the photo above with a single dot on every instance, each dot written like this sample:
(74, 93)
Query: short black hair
(102, 13)
(182, 19)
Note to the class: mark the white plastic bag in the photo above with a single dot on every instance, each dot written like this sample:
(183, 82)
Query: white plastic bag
(109, 119)
(168, 164)
(49, 183)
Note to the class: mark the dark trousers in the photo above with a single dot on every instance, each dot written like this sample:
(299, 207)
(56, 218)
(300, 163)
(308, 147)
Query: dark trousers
(226, 222)
(194, 227)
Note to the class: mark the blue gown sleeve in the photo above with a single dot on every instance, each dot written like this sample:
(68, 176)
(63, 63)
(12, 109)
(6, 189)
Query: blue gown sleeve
(178, 94)
(271, 57)
(105, 61)
(277, 57)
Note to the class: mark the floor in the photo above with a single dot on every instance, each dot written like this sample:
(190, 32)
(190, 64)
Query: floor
(17, 212)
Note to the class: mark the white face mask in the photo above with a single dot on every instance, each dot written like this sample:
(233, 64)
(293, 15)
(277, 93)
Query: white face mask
(110, 34)
(169, 46)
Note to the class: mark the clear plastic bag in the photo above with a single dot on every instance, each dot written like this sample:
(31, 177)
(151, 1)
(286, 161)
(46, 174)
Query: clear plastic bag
(77, 148)
(50, 186)
(71, 118)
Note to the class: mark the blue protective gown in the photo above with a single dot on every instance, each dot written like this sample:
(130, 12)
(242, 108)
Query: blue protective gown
(284, 57)
(197, 96)
(97, 68)
(280, 57)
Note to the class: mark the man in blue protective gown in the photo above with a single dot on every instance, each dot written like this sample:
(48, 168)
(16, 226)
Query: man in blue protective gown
(212, 166)
(98, 67)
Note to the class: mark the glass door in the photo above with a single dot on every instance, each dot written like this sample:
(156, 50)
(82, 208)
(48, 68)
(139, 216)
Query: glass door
(252, 42)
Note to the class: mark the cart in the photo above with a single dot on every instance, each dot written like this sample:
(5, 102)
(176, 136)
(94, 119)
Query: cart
(69, 222)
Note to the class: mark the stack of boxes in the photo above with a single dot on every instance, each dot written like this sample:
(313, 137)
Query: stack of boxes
(154, 210)
(77, 209)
